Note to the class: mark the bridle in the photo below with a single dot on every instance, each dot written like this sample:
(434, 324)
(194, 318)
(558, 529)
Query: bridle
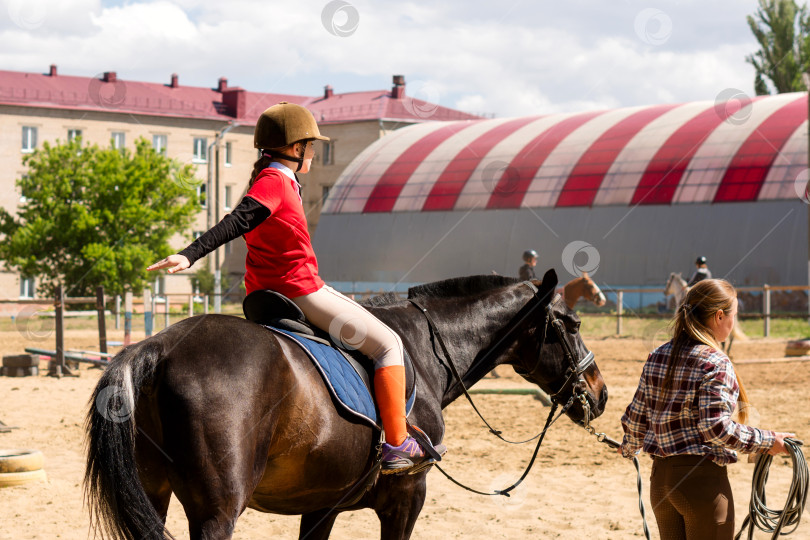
(576, 366)
(573, 375)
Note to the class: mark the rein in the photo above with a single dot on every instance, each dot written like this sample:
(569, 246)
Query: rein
(449, 361)
(573, 373)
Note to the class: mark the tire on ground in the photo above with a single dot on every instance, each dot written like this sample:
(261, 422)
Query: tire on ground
(20, 478)
(798, 347)
(17, 461)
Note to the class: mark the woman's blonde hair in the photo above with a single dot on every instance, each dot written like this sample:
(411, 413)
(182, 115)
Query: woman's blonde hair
(701, 303)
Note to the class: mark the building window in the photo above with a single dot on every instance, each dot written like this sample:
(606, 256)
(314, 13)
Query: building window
(27, 287)
(201, 195)
(29, 138)
(74, 134)
(325, 193)
(200, 149)
(329, 153)
(228, 154)
(228, 195)
(118, 140)
(159, 143)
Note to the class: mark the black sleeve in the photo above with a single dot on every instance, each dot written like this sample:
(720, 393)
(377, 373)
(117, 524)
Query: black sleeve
(244, 218)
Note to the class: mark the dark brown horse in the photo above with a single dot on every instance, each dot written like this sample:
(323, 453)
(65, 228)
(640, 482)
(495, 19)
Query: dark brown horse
(228, 415)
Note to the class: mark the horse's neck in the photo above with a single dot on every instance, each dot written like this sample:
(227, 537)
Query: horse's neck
(677, 285)
(573, 291)
(474, 338)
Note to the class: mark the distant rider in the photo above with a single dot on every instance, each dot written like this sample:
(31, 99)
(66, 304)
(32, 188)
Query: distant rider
(526, 271)
(702, 272)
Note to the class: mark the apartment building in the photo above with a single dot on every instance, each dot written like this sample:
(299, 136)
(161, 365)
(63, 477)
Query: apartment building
(211, 128)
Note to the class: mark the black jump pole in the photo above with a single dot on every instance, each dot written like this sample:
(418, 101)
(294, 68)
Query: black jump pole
(102, 323)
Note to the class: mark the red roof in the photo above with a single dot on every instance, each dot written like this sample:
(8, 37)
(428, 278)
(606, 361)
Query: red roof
(111, 94)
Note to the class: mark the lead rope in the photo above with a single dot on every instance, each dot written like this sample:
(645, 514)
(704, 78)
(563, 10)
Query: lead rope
(603, 438)
(542, 434)
(773, 521)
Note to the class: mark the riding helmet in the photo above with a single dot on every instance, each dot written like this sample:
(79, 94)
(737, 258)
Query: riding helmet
(284, 124)
(700, 260)
(529, 254)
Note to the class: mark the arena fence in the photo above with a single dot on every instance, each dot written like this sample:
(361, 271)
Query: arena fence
(765, 302)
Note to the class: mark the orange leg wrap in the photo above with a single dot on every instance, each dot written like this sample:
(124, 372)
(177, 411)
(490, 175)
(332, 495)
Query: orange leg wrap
(389, 389)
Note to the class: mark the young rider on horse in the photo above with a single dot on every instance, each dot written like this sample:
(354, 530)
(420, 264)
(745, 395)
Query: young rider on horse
(701, 272)
(280, 258)
(526, 271)
(681, 415)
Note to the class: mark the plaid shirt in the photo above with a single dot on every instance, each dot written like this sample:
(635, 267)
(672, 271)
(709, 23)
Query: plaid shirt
(694, 415)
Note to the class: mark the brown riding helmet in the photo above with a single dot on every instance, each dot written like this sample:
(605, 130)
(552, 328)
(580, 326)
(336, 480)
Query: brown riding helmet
(284, 124)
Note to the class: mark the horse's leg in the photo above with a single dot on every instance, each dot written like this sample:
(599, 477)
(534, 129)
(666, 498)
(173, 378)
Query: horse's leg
(213, 473)
(398, 505)
(317, 525)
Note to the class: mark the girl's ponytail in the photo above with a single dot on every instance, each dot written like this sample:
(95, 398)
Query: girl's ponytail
(260, 164)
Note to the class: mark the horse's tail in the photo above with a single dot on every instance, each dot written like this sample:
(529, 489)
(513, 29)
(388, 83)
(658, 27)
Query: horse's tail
(119, 506)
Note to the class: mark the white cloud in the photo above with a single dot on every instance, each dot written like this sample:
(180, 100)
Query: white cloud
(519, 59)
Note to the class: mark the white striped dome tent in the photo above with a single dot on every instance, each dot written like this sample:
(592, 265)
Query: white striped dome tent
(647, 188)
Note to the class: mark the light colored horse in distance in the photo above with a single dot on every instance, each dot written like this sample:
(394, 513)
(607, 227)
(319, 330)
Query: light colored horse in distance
(675, 287)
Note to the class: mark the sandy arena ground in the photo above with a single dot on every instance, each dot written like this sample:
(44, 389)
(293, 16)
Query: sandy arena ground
(578, 489)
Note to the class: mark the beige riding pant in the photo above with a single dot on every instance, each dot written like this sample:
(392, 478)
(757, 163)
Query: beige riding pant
(351, 325)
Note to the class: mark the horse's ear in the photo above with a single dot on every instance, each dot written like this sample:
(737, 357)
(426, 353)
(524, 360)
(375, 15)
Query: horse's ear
(585, 275)
(548, 286)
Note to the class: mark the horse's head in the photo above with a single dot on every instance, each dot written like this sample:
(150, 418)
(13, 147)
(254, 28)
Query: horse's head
(675, 284)
(557, 359)
(592, 291)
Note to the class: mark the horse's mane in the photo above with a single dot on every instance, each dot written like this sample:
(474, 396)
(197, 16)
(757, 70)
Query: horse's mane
(461, 286)
(447, 288)
(383, 299)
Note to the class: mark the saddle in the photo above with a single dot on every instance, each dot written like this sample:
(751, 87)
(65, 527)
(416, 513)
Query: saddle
(346, 372)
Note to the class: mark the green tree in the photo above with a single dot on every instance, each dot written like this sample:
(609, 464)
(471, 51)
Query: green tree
(93, 216)
(782, 29)
(203, 282)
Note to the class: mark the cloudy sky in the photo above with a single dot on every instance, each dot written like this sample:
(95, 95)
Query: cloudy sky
(510, 58)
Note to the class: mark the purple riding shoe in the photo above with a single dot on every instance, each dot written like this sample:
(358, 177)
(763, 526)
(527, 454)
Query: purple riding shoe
(396, 459)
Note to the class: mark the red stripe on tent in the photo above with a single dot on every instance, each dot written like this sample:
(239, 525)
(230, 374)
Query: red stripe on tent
(747, 171)
(451, 182)
(587, 175)
(666, 168)
(516, 179)
(389, 186)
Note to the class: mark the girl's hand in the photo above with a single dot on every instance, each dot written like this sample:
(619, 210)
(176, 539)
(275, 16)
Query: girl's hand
(779, 444)
(174, 263)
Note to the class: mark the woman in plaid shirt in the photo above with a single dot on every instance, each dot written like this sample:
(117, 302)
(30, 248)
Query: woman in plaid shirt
(681, 415)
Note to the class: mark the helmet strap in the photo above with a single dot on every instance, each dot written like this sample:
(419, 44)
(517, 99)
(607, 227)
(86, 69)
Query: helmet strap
(299, 160)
